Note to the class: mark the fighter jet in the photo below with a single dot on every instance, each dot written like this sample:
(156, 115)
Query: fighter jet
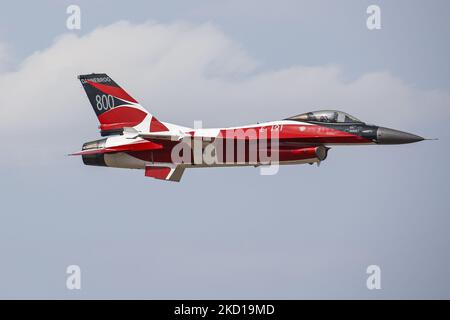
(134, 138)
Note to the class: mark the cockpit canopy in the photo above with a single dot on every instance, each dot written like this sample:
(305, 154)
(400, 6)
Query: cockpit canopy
(327, 116)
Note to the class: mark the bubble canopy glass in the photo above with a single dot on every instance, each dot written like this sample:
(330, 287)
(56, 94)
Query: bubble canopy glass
(327, 116)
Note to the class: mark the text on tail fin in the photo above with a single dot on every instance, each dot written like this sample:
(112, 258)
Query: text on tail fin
(114, 107)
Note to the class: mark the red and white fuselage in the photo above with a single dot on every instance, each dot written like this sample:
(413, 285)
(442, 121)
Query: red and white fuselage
(134, 138)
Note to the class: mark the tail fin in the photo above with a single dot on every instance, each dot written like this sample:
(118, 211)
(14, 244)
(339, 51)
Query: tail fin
(114, 107)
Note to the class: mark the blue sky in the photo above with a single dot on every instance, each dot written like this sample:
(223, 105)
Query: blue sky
(306, 232)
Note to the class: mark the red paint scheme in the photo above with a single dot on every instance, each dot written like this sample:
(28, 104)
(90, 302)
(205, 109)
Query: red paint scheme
(157, 172)
(120, 117)
(298, 154)
(304, 138)
(313, 134)
(163, 154)
(113, 91)
(156, 126)
(296, 142)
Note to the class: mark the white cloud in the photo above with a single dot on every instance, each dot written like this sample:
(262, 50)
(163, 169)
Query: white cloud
(182, 72)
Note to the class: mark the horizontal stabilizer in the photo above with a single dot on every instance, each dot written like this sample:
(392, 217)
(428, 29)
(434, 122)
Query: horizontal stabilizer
(137, 146)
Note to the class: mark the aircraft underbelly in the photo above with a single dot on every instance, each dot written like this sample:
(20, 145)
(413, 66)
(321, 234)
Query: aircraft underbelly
(123, 160)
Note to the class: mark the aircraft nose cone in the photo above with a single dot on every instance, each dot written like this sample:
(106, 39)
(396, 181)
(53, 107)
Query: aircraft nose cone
(391, 136)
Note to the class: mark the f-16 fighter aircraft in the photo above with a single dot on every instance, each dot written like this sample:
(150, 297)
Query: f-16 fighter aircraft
(136, 139)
